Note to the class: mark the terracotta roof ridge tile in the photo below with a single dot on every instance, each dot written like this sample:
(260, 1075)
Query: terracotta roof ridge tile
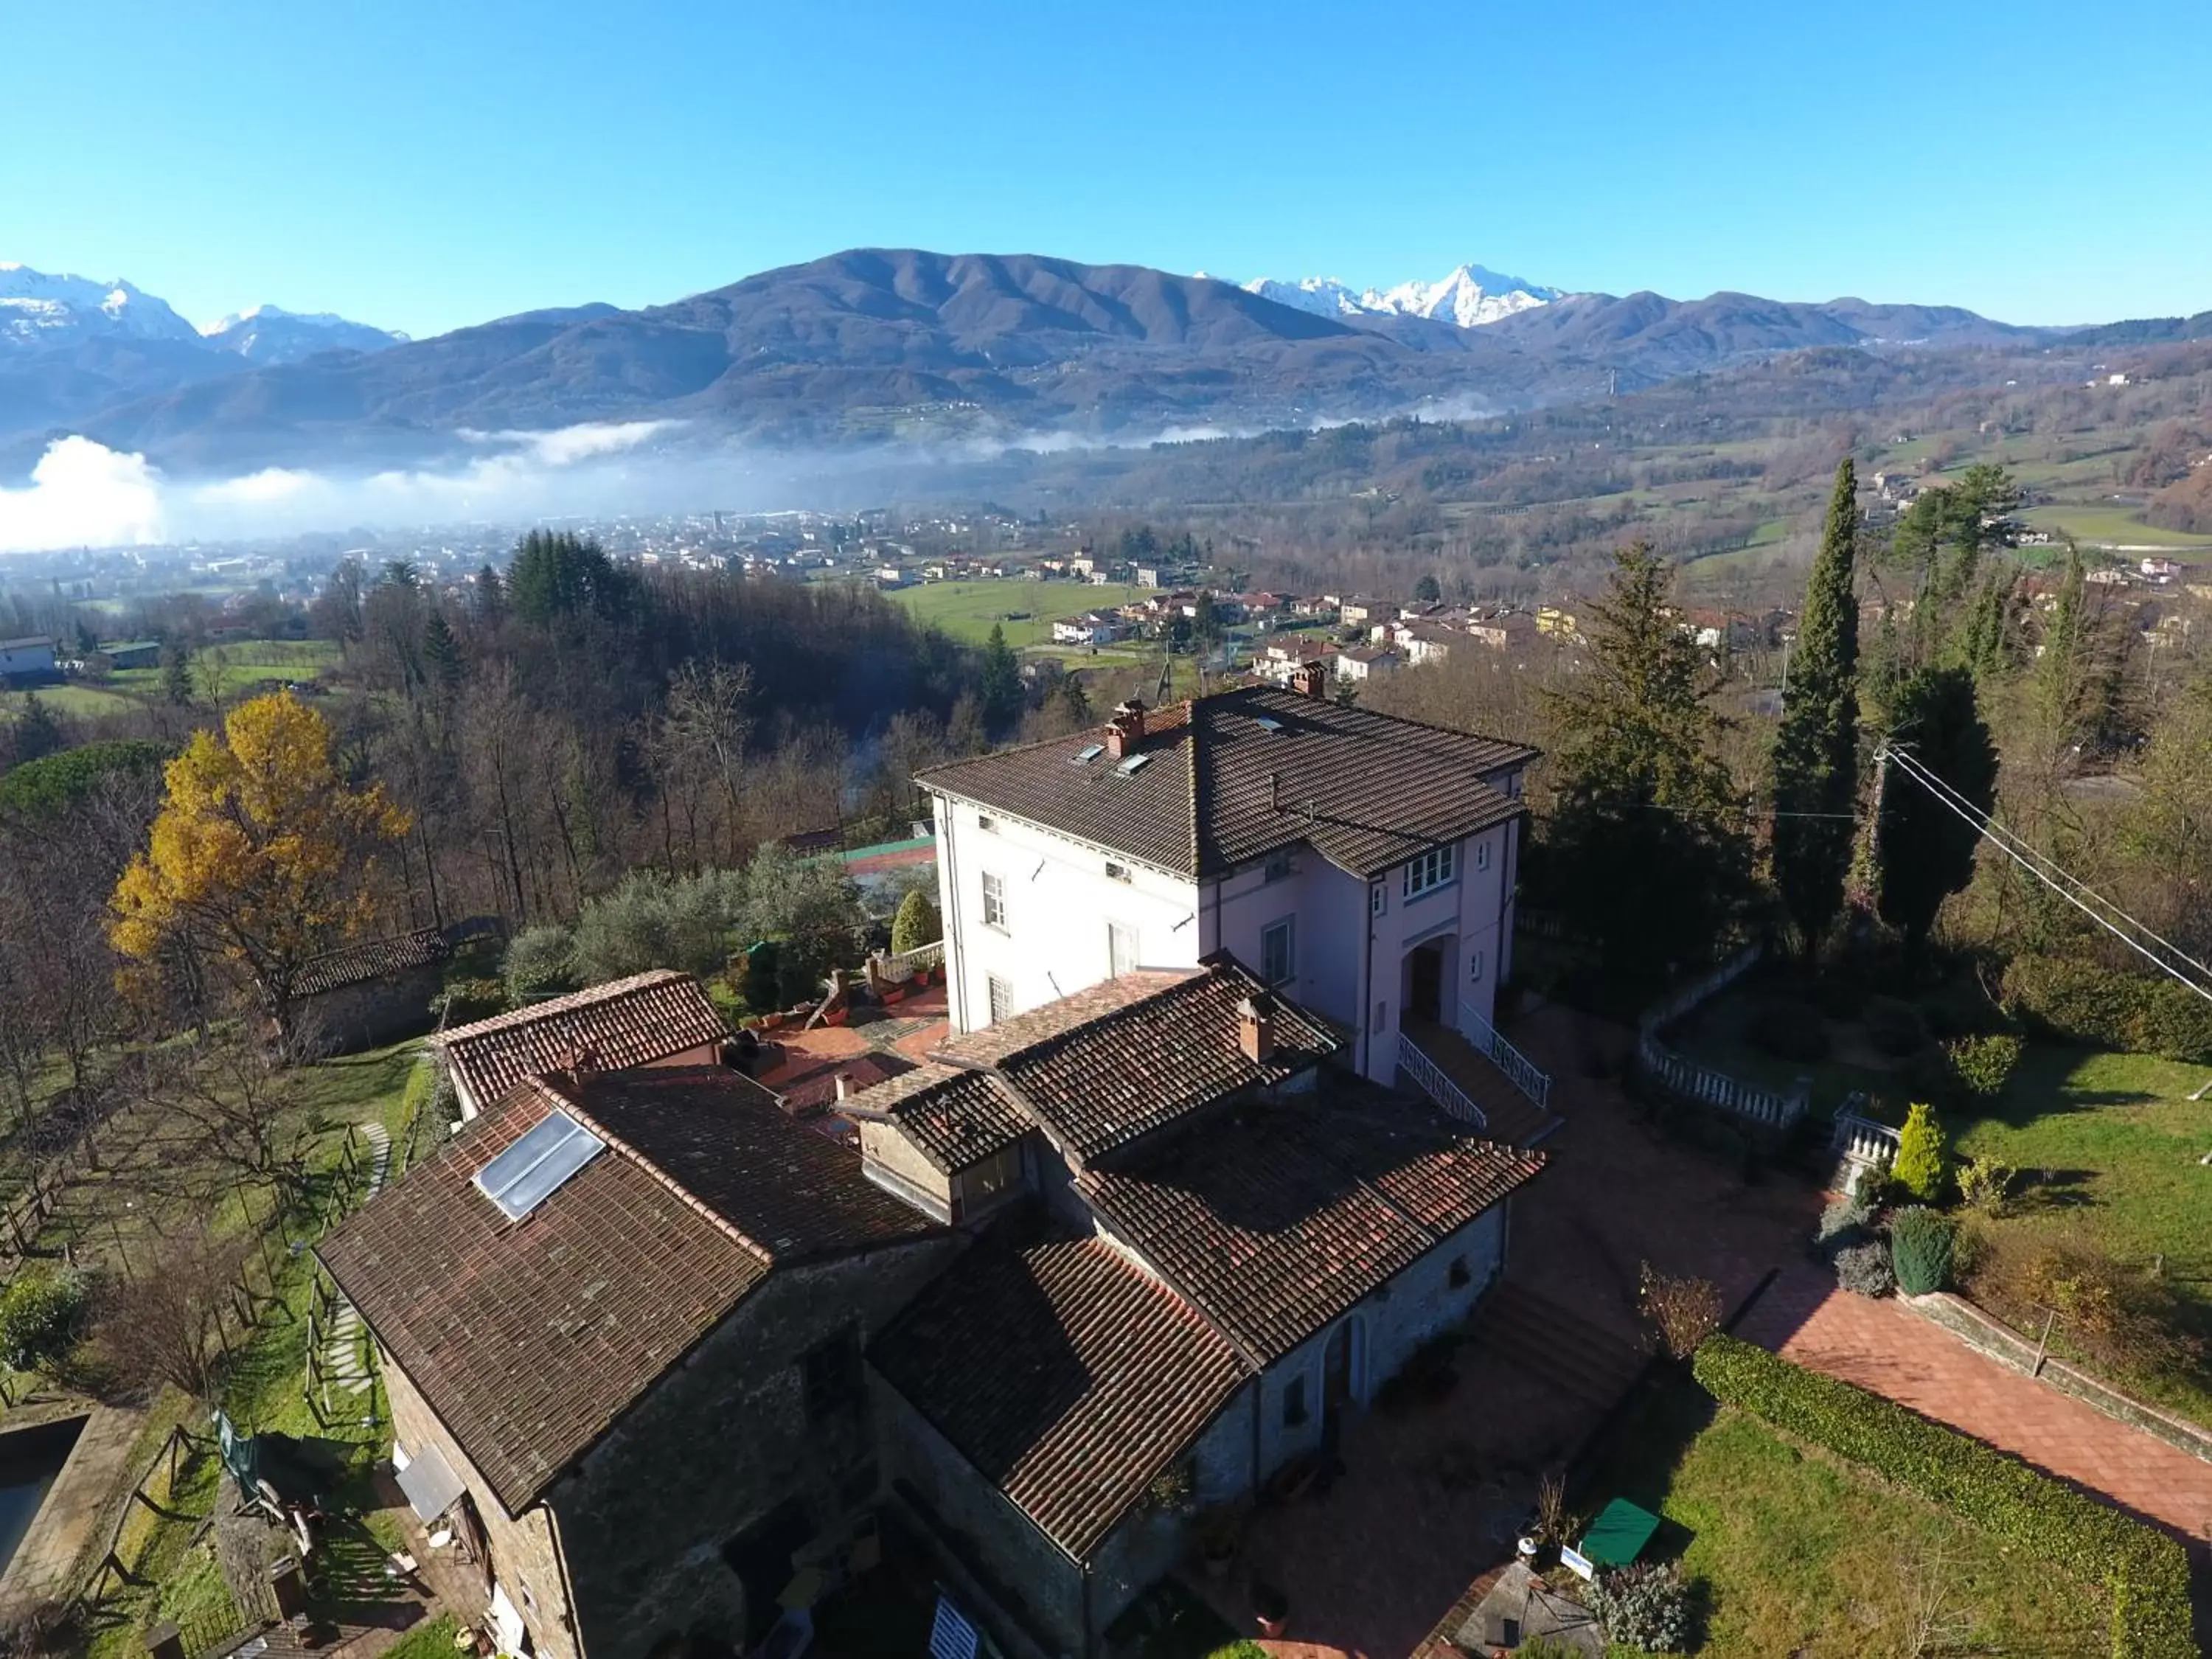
(598, 1126)
(591, 996)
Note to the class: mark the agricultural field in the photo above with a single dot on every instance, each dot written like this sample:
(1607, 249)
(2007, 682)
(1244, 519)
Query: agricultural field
(243, 665)
(1027, 610)
(2108, 525)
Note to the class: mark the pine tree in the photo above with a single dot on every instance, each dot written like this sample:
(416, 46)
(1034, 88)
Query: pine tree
(1816, 749)
(441, 655)
(999, 685)
(176, 676)
(1923, 847)
(1647, 848)
(38, 733)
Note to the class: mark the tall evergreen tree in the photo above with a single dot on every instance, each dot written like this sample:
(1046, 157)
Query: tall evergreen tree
(1647, 848)
(1924, 848)
(999, 686)
(441, 655)
(177, 675)
(1816, 749)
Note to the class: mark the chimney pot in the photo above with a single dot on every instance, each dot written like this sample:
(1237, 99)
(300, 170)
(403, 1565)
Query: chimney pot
(844, 1085)
(1308, 679)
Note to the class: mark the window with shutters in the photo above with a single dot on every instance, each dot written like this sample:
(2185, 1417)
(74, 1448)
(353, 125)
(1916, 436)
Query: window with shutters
(994, 902)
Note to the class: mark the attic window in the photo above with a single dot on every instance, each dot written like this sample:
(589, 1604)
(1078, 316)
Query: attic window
(1134, 764)
(985, 822)
(1088, 753)
(534, 1168)
(1117, 871)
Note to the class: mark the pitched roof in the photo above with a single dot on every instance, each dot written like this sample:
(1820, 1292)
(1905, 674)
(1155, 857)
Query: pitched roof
(1220, 788)
(529, 1337)
(625, 1023)
(1277, 1219)
(1068, 1376)
(369, 958)
(955, 1117)
(1106, 1066)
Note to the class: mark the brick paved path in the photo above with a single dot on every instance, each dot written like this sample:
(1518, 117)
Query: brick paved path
(1889, 1350)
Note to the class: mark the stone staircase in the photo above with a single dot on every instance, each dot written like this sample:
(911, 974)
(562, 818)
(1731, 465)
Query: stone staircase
(345, 1367)
(1586, 1361)
(1513, 1118)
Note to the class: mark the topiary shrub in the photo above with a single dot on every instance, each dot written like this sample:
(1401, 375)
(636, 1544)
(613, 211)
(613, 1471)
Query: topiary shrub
(1981, 1066)
(1920, 1249)
(41, 1312)
(2146, 1572)
(916, 923)
(1922, 1157)
(1865, 1270)
(1791, 1032)
(1645, 1606)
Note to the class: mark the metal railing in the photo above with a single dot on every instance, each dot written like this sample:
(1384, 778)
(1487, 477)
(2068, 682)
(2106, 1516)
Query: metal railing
(1434, 1083)
(1530, 1079)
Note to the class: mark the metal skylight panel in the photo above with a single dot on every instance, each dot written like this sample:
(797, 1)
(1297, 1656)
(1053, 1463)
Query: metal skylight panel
(1134, 764)
(1087, 754)
(530, 1171)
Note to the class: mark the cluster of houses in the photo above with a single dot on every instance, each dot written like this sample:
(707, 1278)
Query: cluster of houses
(1157, 1207)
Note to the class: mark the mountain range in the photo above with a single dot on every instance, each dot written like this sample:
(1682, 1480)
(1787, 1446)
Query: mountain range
(878, 345)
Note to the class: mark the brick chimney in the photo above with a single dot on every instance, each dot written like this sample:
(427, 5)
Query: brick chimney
(1309, 679)
(1127, 729)
(1256, 1028)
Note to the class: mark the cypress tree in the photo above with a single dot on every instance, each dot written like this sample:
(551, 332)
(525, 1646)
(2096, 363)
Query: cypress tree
(1923, 850)
(1816, 749)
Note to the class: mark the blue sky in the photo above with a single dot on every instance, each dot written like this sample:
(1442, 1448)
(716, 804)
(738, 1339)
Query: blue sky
(426, 166)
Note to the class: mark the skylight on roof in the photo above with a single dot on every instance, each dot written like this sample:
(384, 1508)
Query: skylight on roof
(1267, 722)
(532, 1169)
(1088, 753)
(1133, 765)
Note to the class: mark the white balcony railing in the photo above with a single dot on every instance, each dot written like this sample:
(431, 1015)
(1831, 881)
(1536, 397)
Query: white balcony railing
(907, 963)
(1530, 1079)
(1429, 1078)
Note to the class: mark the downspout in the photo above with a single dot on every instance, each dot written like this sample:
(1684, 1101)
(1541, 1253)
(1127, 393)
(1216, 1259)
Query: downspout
(1087, 1642)
(956, 974)
(1367, 980)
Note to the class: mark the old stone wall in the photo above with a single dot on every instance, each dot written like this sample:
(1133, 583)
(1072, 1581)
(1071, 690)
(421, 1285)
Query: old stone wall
(371, 1012)
(723, 1440)
(526, 1560)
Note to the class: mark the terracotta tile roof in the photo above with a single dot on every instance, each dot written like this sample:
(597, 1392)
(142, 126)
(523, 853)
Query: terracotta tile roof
(1068, 1376)
(369, 958)
(1104, 1066)
(1220, 790)
(816, 1090)
(955, 1117)
(1277, 1219)
(529, 1337)
(625, 1022)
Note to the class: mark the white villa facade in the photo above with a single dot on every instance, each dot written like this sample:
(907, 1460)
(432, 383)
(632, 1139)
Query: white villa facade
(1363, 866)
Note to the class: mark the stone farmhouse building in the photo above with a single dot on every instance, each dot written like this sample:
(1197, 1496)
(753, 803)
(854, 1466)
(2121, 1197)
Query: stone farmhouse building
(1363, 866)
(661, 1017)
(1154, 1216)
(370, 993)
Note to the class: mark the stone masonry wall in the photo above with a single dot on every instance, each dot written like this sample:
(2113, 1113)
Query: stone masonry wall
(717, 1445)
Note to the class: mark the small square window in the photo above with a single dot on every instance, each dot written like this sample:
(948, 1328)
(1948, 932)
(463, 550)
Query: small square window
(830, 1372)
(1117, 871)
(994, 902)
(1294, 1403)
(1001, 996)
(1277, 868)
(988, 825)
(1461, 1274)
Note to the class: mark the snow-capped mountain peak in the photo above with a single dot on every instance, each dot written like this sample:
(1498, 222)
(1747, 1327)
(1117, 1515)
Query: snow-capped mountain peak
(270, 334)
(1470, 296)
(58, 307)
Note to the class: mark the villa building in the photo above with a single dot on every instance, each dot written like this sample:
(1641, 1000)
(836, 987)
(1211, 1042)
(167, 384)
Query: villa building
(1363, 865)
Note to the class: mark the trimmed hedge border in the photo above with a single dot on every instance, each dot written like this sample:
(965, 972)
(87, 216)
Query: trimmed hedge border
(2145, 1571)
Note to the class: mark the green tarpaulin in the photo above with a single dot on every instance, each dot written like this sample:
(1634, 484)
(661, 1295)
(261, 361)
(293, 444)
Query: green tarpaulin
(1619, 1535)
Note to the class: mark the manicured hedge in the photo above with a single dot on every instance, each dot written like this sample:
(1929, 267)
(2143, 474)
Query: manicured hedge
(2146, 1572)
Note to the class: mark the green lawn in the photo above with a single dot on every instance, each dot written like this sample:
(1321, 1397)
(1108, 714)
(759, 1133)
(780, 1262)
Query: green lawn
(243, 663)
(433, 1640)
(2108, 524)
(1027, 610)
(83, 702)
(1796, 1553)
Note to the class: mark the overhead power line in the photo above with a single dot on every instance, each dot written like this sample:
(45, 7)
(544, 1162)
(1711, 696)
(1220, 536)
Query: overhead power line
(2067, 886)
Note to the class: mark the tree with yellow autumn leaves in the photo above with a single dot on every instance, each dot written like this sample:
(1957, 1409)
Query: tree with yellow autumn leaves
(260, 858)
